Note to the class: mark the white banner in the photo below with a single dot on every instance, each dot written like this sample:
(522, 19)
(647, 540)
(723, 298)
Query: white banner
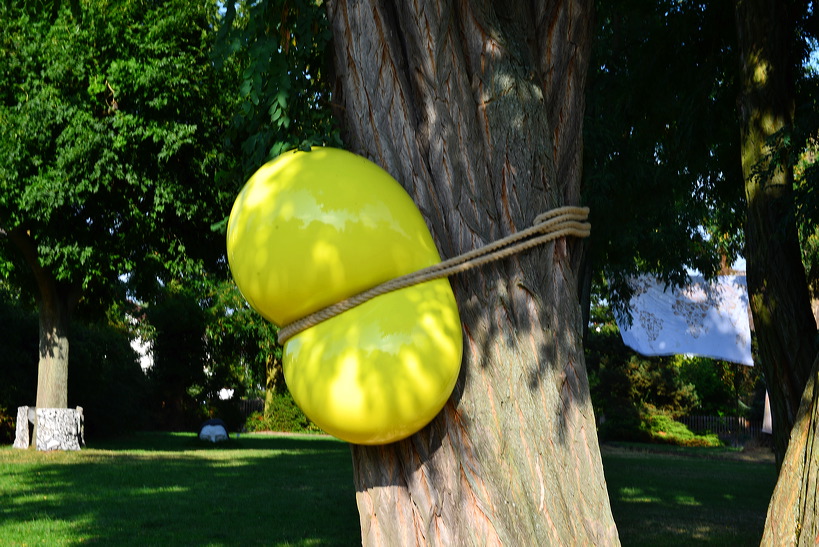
(700, 318)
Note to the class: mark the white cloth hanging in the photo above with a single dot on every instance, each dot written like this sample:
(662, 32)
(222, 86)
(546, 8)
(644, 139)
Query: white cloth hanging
(708, 319)
(767, 419)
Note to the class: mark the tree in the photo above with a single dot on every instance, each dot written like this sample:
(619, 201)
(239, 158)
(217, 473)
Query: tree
(666, 130)
(661, 174)
(770, 56)
(110, 133)
(179, 354)
(242, 345)
(785, 328)
(280, 50)
(477, 110)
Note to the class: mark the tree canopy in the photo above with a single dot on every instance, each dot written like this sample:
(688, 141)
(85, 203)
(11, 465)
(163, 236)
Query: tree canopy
(281, 50)
(110, 139)
(112, 120)
(662, 174)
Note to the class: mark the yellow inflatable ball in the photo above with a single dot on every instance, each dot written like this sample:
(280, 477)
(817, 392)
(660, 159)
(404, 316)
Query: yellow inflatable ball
(310, 229)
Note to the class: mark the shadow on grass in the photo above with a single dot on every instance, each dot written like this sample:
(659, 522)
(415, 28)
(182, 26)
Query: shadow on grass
(169, 489)
(675, 499)
(181, 442)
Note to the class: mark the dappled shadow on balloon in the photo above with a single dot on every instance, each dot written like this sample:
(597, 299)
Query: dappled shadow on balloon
(383, 369)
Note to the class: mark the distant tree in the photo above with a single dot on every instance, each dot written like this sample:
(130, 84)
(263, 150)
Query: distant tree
(723, 388)
(281, 50)
(661, 171)
(242, 346)
(112, 116)
(179, 356)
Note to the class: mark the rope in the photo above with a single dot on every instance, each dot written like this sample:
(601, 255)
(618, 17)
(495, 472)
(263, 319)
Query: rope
(548, 226)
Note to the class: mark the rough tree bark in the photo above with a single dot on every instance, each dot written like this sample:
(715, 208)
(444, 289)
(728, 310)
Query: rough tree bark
(793, 514)
(778, 291)
(55, 301)
(476, 108)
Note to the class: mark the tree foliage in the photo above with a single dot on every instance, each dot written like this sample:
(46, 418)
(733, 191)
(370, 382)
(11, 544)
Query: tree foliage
(661, 171)
(242, 348)
(110, 129)
(112, 120)
(677, 87)
(280, 49)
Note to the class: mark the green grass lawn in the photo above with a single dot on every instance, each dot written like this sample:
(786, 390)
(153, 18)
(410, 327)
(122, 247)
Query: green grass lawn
(161, 489)
(677, 496)
(166, 489)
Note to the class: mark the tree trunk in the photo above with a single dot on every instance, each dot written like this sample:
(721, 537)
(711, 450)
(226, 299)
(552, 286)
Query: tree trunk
(274, 381)
(477, 111)
(778, 291)
(55, 302)
(52, 373)
(793, 518)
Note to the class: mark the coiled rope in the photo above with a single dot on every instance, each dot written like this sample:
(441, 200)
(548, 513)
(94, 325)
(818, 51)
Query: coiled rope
(548, 226)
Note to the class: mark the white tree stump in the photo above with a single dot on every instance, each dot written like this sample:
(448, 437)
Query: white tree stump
(22, 437)
(57, 428)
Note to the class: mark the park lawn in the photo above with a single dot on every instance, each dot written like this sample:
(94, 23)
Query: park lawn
(678, 496)
(172, 489)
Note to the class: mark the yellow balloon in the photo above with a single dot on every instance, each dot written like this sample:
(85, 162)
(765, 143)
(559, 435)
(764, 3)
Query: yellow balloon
(381, 371)
(312, 228)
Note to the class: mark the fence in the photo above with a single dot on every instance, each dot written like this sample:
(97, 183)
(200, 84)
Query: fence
(723, 426)
(249, 406)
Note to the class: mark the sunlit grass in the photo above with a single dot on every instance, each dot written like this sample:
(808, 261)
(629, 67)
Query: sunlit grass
(160, 489)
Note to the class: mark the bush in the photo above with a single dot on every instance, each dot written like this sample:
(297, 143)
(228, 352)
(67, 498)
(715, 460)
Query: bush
(622, 422)
(663, 429)
(19, 351)
(282, 415)
(8, 421)
(104, 377)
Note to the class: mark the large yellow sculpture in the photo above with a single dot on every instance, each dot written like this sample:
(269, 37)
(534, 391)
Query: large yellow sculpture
(310, 229)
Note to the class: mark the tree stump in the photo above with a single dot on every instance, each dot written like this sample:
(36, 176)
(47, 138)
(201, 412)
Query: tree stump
(25, 418)
(56, 428)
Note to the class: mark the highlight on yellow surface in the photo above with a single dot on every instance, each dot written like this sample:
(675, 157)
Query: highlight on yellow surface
(381, 371)
(312, 228)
